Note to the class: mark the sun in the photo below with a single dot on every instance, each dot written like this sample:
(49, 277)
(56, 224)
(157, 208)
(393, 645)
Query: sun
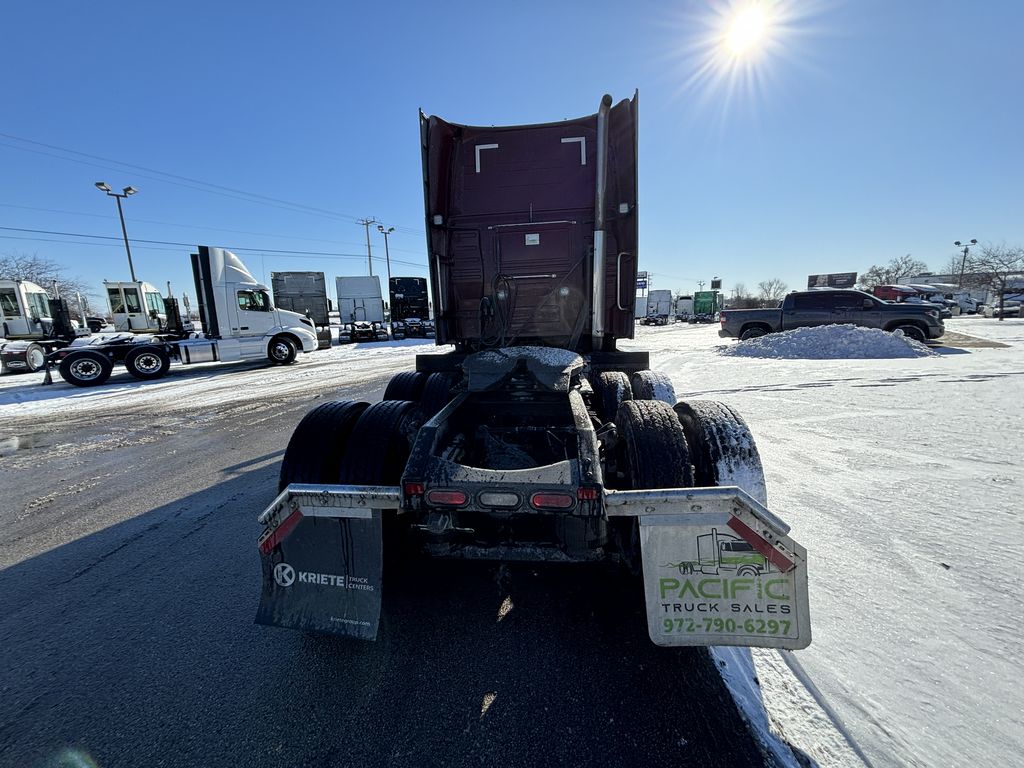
(747, 30)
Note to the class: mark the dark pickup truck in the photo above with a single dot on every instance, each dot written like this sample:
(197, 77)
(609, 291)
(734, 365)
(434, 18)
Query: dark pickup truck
(801, 309)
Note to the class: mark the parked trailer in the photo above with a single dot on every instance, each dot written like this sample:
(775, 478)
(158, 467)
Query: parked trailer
(32, 325)
(536, 438)
(305, 293)
(239, 320)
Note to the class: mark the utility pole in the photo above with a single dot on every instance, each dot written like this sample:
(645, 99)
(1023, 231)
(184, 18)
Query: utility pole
(369, 253)
(700, 284)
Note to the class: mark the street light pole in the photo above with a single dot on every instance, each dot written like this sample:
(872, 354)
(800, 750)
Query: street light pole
(963, 261)
(102, 186)
(387, 254)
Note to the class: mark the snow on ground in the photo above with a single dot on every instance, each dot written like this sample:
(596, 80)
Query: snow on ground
(829, 342)
(902, 476)
(904, 480)
(197, 386)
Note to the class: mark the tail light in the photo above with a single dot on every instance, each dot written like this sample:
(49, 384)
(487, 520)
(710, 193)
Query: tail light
(588, 493)
(721, 317)
(444, 497)
(412, 488)
(552, 500)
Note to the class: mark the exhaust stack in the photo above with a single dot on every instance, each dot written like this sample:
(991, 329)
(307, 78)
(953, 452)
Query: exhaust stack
(597, 304)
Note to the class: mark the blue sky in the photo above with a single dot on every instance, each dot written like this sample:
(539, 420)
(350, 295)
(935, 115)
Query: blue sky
(864, 129)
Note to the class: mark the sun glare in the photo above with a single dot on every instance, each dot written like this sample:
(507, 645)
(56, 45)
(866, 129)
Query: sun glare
(747, 30)
(735, 51)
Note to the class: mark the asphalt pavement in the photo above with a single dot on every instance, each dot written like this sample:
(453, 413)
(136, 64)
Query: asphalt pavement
(129, 582)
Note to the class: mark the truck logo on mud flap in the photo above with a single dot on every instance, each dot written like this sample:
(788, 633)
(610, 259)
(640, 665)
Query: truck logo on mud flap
(284, 574)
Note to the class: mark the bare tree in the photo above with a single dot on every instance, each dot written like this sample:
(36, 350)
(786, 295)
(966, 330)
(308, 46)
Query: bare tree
(46, 273)
(887, 274)
(1001, 267)
(771, 291)
(741, 298)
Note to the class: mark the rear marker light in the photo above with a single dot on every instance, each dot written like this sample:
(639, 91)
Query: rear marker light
(446, 498)
(587, 494)
(495, 499)
(552, 500)
(413, 489)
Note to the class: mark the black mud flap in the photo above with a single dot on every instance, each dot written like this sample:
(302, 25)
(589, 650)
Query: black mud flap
(322, 572)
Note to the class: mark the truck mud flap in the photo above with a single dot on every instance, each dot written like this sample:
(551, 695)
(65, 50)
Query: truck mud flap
(321, 557)
(719, 569)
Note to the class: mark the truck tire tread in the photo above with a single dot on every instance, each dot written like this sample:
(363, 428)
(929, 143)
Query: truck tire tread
(318, 444)
(611, 389)
(407, 385)
(653, 385)
(722, 447)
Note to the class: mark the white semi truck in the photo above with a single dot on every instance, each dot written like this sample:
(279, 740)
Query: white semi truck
(239, 320)
(361, 309)
(136, 307)
(32, 325)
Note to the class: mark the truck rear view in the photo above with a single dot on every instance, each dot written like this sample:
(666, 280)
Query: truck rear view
(536, 439)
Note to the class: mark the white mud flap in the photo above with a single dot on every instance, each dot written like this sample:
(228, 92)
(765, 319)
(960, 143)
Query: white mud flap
(321, 556)
(719, 569)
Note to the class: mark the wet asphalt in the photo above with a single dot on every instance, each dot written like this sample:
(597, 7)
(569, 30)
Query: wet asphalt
(129, 582)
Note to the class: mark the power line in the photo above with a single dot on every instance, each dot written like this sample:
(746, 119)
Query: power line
(193, 226)
(268, 251)
(213, 188)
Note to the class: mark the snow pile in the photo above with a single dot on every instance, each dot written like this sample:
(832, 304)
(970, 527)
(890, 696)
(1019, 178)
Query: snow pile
(830, 342)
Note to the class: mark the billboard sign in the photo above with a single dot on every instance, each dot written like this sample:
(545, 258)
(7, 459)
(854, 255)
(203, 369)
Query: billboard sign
(833, 280)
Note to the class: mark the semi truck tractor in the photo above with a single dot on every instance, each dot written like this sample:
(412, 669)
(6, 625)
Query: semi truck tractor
(659, 308)
(239, 320)
(536, 438)
(361, 309)
(32, 325)
(305, 293)
(136, 307)
(410, 307)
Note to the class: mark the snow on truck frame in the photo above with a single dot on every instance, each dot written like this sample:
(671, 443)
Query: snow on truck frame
(536, 439)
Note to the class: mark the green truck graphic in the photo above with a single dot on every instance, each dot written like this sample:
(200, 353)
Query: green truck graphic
(722, 553)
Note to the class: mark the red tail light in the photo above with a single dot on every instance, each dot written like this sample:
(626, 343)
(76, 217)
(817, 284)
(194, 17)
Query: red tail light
(587, 493)
(413, 489)
(446, 498)
(552, 500)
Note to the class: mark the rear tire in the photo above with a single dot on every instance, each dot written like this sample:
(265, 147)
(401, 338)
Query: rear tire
(378, 449)
(753, 333)
(653, 385)
(722, 448)
(147, 363)
(611, 390)
(652, 453)
(437, 393)
(406, 386)
(317, 445)
(86, 368)
(35, 357)
(282, 351)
